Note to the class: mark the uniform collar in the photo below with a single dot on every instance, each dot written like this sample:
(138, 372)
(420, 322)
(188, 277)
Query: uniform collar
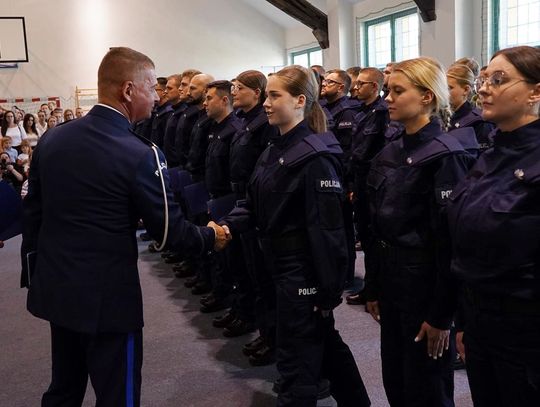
(293, 136)
(110, 113)
(522, 136)
(463, 111)
(251, 114)
(426, 133)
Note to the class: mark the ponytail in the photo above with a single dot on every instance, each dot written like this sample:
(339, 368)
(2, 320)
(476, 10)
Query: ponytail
(316, 118)
(445, 115)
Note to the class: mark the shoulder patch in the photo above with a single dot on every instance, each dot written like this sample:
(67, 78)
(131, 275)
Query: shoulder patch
(328, 185)
(345, 125)
(443, 194)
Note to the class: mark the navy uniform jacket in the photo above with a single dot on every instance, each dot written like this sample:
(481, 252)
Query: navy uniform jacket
(199, 145)
(469, 116)
(295, 192)
(248, 144)
(217, 179)
(494, 217)
(169, 138)
(183, 131)
(343, 112)
(159, 124)
(91, 180)
(370, 125)
(409, 184)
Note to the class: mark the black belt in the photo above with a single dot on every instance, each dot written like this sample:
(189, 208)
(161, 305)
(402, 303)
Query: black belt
(238, 187)
(502, 303)
(285, 244)
(407, 253)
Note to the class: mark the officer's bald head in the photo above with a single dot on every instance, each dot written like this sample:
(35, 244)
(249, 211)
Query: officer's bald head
(119, 65)
(197, 87)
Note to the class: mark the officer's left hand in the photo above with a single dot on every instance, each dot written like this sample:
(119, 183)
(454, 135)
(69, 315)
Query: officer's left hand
(438, 340)
(221, 237)
(324, 312)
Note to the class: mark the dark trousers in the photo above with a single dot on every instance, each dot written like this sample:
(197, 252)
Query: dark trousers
(410, 377)
(244, 298)
(113, 361)
(503, 357)
(308, 345)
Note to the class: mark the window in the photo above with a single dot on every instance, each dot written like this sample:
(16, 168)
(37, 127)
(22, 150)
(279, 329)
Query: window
(515, 22)
(308, 57)
(391, 38)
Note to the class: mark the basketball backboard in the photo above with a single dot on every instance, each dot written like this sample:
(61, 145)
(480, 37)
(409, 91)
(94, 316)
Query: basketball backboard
(13, 47)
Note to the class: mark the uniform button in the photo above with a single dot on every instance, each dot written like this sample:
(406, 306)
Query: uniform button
(457, 124)
(247, 128)
(409, 160)
(519, 173)
(281, 161)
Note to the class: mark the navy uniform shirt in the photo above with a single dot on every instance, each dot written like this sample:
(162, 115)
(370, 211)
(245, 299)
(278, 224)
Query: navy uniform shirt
(199, 145)
(409, 185)
(343, 112)
(296, 190)
(494, 217)
(85, 197)
(469, 116)
(217, 179)
(169, 148)
(248, 144)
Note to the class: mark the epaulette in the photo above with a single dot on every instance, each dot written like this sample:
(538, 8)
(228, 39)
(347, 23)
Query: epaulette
(309, 146)
(437, 147)
(257, 122)
(466, 137)
(468, 120)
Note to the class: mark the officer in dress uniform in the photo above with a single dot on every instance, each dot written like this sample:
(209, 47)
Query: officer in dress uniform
(79, 250)
(368, 139)
(408, 286)
(295, 199)
(162, 112)
(461, 86)
(495, 226)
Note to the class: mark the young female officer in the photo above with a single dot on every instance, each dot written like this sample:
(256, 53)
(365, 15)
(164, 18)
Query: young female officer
(461, 86)
(295, 199)
(494, 217)
(408, 290)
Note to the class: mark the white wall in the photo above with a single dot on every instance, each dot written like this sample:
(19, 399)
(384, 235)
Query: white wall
(68, 38)
(455, 33)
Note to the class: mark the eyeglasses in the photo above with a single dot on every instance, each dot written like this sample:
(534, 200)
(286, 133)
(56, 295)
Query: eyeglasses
(331, 82)
(359, 84)
(495, 80)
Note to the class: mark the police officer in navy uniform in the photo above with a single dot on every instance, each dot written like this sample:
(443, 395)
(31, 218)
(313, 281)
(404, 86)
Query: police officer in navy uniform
(370, 125)
(256, 292)
(162, 112)
(495, 226)
(79, 250)
(461, 86)
(176, 96)
(295, 199)
(408, 287)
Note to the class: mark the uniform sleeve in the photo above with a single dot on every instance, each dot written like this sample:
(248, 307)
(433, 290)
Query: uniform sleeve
(31, 216)
(326, 230)
(443, 305)
(183, 236)
(240, 219)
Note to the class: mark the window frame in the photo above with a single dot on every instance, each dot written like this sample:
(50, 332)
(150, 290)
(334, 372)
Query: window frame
(392, 19)
(496, 13)
(307, 51)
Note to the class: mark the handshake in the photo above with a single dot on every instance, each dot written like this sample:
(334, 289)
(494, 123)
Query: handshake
(223, 235)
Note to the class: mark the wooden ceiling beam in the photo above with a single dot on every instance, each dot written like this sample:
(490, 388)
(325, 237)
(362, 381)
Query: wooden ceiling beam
(307, 14)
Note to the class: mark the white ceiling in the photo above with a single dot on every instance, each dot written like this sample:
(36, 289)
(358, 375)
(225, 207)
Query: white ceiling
(278, 16)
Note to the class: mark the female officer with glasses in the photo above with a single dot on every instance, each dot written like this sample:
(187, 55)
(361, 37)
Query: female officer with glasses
(494, 218)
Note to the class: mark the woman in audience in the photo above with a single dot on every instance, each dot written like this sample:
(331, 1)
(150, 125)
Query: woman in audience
(29, 125)
(408, 288)
(68, 115)
(461, 87)
(495, 225)
(295, 199)
(11, 128)
(51, 122)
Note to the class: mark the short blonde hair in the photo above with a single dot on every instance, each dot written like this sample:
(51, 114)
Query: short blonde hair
(429, 74)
